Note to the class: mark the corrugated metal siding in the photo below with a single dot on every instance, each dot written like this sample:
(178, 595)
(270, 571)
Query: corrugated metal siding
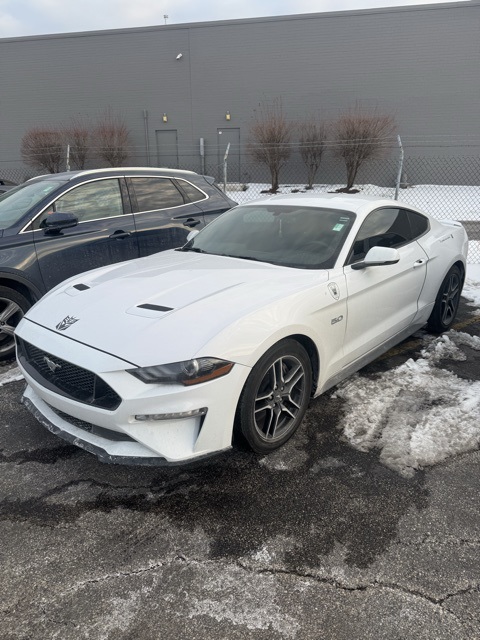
(419, 63)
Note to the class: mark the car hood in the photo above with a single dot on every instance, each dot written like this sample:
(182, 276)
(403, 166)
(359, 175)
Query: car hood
(165, 307)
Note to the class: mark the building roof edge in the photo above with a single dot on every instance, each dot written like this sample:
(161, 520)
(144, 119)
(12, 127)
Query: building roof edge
(241, 21)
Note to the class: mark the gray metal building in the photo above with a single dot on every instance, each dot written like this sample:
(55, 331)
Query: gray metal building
(176, 84)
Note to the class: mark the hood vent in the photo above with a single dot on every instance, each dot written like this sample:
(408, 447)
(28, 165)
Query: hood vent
(148, 310)
(76, 289)
(154, 307)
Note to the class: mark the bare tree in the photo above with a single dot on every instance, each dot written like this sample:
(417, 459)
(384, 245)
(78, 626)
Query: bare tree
(312, 139)
(112, 139)
(43, 149)
(361, 136)
(77, 135)
(269, 141)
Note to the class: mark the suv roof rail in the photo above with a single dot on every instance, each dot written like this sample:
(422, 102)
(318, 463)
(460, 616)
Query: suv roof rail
(105, 169)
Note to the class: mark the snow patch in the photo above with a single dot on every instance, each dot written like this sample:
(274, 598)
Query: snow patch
(10, 375)
(262, 555)
(417, 414)
(241, 600)
(471, 288)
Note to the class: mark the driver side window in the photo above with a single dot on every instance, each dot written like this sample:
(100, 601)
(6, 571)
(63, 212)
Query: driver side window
(382, 228)
(91, 201)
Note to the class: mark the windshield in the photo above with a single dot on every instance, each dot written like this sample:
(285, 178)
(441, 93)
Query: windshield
(291, 236)
(16, 202)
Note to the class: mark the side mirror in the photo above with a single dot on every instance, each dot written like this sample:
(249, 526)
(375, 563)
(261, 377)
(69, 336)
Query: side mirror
(378, 257)
(55, 222)
(192, 234)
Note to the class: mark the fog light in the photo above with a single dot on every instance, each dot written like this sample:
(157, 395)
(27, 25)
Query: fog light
(172, 416)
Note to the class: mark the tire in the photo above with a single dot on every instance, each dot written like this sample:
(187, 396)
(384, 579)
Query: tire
(13, 307)
(275, 397)
(446, 303)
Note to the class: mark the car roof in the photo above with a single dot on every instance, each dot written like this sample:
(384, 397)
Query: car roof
(355, 203)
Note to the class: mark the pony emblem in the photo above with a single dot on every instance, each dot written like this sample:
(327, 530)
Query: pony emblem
(53, 366)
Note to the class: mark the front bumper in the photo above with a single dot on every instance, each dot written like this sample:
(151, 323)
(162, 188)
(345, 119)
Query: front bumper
(116, 436)
(107, 450)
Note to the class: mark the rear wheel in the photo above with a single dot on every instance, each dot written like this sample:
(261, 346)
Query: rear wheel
(447, 302)
(275, 396)
(13, 307)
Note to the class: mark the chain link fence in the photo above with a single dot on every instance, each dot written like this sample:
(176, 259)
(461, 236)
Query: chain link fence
(444, 187)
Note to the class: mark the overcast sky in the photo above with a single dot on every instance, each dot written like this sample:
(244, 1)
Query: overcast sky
(31, 17)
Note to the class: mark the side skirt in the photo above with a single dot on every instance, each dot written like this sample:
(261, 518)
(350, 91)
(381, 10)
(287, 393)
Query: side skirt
(361, 362)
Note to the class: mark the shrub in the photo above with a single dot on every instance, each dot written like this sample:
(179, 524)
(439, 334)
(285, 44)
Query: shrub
(43, 149)
(77, 135)
(311, 145)
(269, 141)
(112, 139)
(361, 136)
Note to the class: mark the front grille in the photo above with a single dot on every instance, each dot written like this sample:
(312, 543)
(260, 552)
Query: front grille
(66, 378)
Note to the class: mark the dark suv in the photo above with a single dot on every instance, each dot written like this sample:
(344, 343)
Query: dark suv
(55, 226)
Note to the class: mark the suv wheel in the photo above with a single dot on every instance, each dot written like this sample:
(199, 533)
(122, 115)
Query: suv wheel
(13, 307)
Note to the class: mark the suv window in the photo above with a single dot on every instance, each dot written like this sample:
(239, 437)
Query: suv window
(156, 193)
(90, 201)
(389, 227)
(14, 204)
(193, 194)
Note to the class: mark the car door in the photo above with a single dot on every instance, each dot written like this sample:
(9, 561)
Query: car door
(382, 300)
(163, 215)
(105, 233)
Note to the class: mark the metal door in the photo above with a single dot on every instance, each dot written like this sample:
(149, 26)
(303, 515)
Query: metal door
(167, 148)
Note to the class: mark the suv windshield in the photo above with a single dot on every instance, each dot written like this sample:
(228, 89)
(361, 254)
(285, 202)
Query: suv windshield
(16, 202)
(300, 236)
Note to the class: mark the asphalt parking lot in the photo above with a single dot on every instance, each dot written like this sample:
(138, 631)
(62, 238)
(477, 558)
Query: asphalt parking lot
(318, 541)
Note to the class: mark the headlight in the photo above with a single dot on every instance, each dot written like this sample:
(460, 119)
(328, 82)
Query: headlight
(187, 373)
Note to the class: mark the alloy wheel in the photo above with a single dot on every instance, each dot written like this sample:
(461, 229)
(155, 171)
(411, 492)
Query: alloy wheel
(280, 398)
(10, 315)
(450, 299)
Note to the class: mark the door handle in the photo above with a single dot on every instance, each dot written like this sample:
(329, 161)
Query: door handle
(419, 263)
(191, 222)
(119, 235)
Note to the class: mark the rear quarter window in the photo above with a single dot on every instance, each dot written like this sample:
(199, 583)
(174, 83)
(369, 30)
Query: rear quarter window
(418, 223)
(192, 194)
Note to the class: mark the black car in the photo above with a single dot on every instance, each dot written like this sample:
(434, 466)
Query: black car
(55, 226)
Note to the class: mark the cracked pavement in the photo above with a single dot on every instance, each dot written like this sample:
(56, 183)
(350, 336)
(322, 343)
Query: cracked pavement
(317, 541)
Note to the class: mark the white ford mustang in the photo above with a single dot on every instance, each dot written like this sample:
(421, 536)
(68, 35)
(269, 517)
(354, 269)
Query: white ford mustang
(164, 359)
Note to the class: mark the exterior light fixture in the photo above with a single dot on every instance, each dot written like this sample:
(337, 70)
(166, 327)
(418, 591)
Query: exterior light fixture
(228, 116)
(165, 117)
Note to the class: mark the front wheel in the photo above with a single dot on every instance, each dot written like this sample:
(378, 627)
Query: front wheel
(13, 307)
(275, 396)
(446, 302)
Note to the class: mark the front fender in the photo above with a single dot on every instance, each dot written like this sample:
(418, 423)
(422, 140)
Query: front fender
(314, 315)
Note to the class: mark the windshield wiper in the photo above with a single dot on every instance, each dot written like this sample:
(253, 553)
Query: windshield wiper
(194, 249)
(227, 255)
